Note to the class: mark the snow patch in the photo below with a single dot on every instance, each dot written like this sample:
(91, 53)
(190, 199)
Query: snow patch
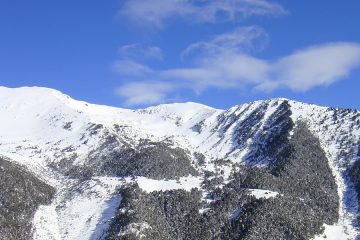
(334, 232)
(260, 193)
(87, 212)
(45, 224)
(151, 185)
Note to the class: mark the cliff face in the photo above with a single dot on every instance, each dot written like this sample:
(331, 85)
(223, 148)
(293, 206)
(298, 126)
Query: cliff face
(272, 169)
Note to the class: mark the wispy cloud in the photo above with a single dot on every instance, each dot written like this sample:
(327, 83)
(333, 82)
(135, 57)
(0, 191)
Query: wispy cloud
(128, 67)
(141, 52)
(242, 39)
(319, 65)
(139, 93)
(156, 12)
(223, 63)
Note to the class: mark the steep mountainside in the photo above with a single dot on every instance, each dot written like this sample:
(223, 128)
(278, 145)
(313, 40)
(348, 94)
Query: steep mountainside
(272, 169)
(21, 195)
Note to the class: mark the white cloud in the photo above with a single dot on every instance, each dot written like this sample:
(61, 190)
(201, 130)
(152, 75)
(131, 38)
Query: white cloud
(242, 39)
(139, 93)
(229, 67)
(317, 66)
(156, 12)
(131, 68)
(139, 51)
(230, 10)
(225, 71)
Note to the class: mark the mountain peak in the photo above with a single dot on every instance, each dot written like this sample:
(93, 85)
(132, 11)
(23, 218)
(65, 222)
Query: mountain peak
(30, 90)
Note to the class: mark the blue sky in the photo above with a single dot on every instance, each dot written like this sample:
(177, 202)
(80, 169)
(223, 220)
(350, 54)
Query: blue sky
(135, 53)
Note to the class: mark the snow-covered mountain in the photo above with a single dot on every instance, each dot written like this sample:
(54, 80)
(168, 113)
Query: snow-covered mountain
(272, 169)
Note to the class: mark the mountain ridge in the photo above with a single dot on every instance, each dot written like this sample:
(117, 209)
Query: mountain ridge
(66, 96)
(76, 146)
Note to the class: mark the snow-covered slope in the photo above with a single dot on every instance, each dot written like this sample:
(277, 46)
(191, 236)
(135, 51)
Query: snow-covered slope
(69, 144)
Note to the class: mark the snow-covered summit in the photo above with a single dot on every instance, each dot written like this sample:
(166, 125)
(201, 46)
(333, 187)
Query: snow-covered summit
(46, 115)
(43, 113)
